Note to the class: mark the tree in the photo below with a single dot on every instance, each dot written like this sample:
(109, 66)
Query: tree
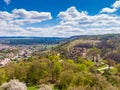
(65, 80)
(57, 70)
(10, 70)
(3, 76)
(80, 60)
(37, 71)
(82, 67)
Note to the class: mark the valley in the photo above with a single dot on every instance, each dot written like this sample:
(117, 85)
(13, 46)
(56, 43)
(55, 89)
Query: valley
(72, 64)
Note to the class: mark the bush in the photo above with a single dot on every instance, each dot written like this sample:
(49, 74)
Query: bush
(13, 85)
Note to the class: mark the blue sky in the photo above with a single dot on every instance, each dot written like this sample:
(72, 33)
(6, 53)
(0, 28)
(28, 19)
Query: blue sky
(59, 18)
(55, 6)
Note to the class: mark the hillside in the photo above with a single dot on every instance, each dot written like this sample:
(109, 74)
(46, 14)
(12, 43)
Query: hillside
(78, 64)
(107, 45)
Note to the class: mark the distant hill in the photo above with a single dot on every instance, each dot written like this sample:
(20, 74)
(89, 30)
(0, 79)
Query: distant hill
(106, 36)
(31, 40)
(15, 40)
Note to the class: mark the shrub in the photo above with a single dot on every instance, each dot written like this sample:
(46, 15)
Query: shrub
(13, 85)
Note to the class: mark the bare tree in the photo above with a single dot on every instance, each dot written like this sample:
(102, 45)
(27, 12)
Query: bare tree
(13, 85)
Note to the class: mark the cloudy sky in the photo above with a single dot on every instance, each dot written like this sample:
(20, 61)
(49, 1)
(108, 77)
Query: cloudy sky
(59, 18)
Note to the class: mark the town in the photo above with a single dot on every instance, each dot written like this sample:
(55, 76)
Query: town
(9, 53)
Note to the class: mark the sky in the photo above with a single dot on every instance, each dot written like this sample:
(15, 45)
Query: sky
(59, 18)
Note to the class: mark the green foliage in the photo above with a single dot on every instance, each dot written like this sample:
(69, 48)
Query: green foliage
(65, 74)
(82, 79)
(65, 80)
(70, 61)
(57, 70)
(118, 67)
(88, 63)
(80, 60)
(37, 71)
(3, 76)
(82, 67)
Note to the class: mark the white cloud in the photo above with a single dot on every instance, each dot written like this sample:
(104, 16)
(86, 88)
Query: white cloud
(108, 10)
(12, 23)
(23, 17)
(22, 13)
(71, 14)
(80, 23)
(5, 15)
(82, 19)
(112, 9)
(7, 1)
(116, 4)
(72, 22)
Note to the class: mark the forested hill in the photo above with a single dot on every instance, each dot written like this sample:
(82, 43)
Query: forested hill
(101, 37)
(107, 45)
(31, 40)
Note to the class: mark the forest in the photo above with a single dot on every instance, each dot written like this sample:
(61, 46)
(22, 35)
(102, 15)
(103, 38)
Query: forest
(31, 40)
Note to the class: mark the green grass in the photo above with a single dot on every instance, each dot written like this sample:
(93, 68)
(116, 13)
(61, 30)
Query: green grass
(35, 87)
(112, 70)
(32, 87)
(102, 66)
